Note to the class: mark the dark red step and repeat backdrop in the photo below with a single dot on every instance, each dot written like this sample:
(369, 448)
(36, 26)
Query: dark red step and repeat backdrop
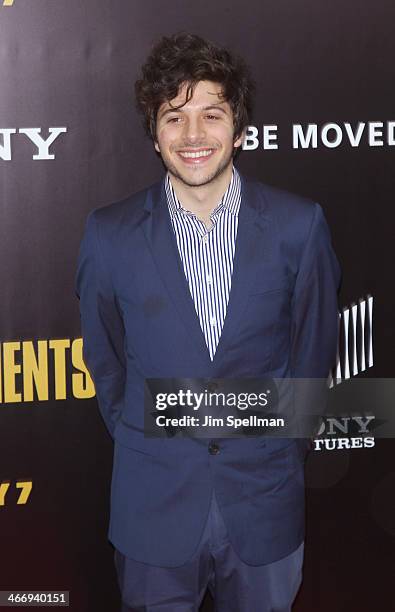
(70, 141)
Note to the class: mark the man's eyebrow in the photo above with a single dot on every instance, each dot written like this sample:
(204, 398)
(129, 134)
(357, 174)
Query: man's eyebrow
(180, 109)
(161, 113)
(216, 107)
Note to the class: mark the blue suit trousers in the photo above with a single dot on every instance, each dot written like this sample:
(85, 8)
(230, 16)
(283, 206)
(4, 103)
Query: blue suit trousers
(234, 585)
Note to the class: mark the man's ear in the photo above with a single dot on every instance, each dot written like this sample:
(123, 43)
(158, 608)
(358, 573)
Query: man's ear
(156, 146)
(240, 139)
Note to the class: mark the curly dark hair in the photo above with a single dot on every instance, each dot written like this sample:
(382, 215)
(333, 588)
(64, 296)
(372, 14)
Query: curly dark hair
(187, 59)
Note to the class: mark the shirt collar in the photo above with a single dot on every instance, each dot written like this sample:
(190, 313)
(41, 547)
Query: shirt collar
(230, 200)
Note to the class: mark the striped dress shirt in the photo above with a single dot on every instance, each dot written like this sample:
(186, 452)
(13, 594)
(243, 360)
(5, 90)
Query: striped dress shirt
(207, 256)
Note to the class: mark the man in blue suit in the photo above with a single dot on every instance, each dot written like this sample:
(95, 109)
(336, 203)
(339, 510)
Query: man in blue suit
(205, 275)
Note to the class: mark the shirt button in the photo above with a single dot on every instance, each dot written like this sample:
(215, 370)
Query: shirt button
(213, 448)
(209, 279)
(205, 239)
(213, 321)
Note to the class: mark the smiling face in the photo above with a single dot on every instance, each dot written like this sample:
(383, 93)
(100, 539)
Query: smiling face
(196, 141)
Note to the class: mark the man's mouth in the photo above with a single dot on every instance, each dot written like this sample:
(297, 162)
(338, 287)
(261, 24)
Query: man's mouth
(197, 156)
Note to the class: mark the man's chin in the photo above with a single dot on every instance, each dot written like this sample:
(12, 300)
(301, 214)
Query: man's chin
(200, 178)
(191, 182)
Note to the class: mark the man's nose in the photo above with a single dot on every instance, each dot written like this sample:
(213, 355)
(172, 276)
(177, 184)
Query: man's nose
(194, 129)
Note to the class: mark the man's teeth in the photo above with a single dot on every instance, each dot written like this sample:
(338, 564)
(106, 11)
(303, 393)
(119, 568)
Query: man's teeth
(196, 154)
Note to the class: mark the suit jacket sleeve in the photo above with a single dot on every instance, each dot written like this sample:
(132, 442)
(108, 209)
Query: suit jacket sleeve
(102, 326)
(315, 319)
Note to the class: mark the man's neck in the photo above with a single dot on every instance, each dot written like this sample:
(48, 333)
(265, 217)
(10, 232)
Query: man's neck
(203, 199)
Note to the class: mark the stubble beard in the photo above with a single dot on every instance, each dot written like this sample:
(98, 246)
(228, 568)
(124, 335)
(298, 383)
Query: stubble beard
(202, 181)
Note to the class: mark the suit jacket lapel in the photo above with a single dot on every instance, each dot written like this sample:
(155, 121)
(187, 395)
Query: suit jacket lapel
(250, 243)
(162, 242)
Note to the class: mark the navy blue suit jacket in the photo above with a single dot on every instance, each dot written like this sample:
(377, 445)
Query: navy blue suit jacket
(139, 321)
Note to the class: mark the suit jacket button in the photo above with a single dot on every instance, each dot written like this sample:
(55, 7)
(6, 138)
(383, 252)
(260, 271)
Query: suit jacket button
(213, 448)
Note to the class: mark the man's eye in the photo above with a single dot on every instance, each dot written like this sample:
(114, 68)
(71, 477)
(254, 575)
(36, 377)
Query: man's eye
(173, 119)
(212, 117)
